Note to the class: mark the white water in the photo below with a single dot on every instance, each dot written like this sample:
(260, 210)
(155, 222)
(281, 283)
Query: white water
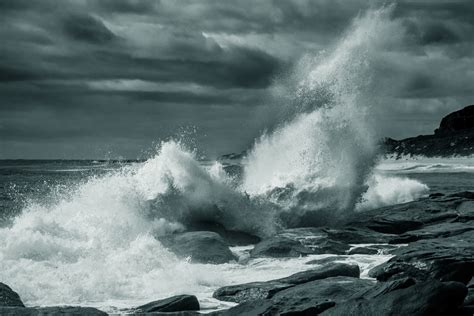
(95, 245)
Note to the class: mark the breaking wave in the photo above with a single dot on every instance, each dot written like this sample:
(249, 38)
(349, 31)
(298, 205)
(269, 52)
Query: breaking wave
(98, 240)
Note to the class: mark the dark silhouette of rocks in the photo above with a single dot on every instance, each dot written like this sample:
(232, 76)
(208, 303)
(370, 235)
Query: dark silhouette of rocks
(454, 137)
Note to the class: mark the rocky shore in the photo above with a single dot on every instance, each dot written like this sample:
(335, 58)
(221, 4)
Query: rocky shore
(431, 241)
(453, 137)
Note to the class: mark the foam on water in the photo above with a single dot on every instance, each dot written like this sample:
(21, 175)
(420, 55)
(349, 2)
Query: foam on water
(96, 243)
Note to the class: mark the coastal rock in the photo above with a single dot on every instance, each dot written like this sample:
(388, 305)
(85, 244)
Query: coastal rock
(8, 297)
(298, 242)
(176, 303)
(431, 298)
(264, 290)
(455, 136)
(51, 311)
(439, 230)
(279, 246)
(200, 246)
(354, 234)
(335, 289)
(444, 259)
(231, 237)
(309, 298)
(402, 218)
(381, 288)
(457, 121)
(269, 308)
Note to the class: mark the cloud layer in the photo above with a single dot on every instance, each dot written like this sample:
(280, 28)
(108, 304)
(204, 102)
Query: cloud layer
(87, 78)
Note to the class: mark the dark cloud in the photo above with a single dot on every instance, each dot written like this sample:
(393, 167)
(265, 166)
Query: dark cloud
(79, 78)
(87, 28)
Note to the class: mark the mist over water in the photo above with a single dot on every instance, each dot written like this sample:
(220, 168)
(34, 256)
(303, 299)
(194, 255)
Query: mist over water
(97, 241)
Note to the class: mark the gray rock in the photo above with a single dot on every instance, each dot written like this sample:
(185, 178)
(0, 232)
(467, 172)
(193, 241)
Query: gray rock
(8, 297)
(309, 298)
(431, 298)
(176, 303)
(444, 259)
(200, 246)
(279, 246)
(263, 290)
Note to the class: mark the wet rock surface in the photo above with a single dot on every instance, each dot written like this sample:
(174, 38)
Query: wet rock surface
(263, 290)
(178, 303)
(200, 247)
(430, 273)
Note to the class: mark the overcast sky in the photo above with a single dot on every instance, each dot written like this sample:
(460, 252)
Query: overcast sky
(108, 79)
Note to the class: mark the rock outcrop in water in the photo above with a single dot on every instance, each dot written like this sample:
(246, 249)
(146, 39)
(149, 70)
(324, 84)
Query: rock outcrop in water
(264, 290)
(178, 303)
(199, 246)
(454, 137)
(432, 275)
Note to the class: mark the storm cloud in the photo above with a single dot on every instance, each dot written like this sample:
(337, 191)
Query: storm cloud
(94, 79)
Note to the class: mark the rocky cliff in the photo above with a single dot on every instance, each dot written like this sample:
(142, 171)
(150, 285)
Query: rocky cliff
(454, 137)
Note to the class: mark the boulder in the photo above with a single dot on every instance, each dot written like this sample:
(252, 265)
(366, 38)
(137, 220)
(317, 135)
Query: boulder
(444, 259)
(309, 298)
(176, 303)
(264, 290)
(8, 297)
(297, 242)
(279, 246)
(431, 298)
(200, 246)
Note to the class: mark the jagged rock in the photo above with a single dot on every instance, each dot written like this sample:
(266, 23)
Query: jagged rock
(263, 290)
(431, 298)
(176, 303)
(8, 297)
(200, 246)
